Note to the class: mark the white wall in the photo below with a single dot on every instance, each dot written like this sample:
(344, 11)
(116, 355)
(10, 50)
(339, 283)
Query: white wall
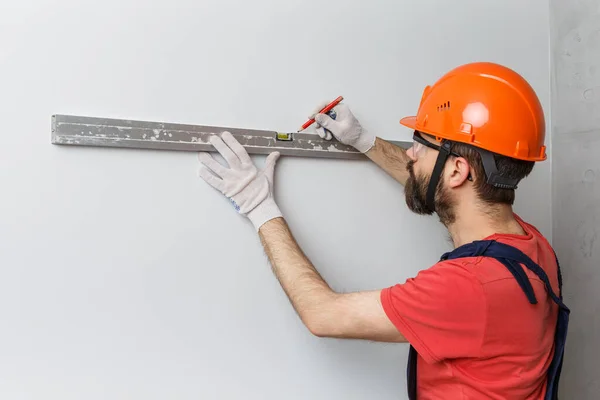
(576, 173)
(124, 276)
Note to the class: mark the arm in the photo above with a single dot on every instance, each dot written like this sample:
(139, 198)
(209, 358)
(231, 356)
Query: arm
(391, 158)
(325, 313)
(347, 129)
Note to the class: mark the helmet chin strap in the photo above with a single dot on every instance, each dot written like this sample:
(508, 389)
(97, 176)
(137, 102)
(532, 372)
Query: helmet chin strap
(443, 154)
(491, 171)
(489, 165)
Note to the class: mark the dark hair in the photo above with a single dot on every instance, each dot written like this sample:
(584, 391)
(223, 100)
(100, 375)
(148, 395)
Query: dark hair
(507, 167)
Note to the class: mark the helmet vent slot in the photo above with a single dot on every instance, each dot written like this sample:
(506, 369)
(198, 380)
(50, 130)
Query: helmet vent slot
(444, 107)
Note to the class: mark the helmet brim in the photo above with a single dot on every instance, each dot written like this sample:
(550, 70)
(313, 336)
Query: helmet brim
(410, 122)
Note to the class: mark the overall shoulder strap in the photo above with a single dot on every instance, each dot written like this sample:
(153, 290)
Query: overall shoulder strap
(512, 256)
(473, 249)
(489, 249)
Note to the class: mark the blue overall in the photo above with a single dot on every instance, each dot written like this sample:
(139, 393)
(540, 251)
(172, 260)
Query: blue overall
(511, 258)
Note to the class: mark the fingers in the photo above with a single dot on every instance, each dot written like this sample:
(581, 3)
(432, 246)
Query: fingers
(270, 164)
(228, 154)
(211, 163)
(318, 108)
(327, 122)
(212, 180)
(272, 159)
(237, 148)
(324, 133)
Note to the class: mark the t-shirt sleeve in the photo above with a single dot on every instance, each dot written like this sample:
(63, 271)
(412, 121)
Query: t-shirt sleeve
(441, 312)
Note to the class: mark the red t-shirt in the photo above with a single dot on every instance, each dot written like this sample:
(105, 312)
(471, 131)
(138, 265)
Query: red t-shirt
(477, 335)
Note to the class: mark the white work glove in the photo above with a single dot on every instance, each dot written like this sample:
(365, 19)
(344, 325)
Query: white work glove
(250, 190)
(345, 127)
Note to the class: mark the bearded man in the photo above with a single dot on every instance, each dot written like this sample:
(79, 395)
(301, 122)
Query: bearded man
(485, 322)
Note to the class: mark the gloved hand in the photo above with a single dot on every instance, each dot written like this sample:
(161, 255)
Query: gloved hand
(345, 127)
(250, 190)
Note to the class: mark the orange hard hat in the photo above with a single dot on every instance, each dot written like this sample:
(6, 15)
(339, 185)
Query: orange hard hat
(485, 105)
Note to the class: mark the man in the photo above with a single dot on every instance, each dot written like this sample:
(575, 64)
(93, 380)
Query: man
(485, 322)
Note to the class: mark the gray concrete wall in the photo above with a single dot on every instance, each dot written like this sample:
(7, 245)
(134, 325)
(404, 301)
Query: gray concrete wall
(575, 55)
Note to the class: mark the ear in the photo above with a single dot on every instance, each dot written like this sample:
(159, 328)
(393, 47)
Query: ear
(458, 171)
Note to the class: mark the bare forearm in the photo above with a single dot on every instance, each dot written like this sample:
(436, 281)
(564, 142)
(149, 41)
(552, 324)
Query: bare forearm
(391, 158)
(325, 313)
(304, 286)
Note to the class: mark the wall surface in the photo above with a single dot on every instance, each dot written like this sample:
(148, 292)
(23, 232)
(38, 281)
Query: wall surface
(124, 276)
(575, 42)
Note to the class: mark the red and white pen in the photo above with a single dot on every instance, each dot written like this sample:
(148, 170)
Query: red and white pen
(325, 110)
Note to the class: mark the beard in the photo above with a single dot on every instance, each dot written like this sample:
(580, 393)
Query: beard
(415, 192)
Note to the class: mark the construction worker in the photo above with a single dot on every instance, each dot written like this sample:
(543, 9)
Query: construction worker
(485, 322)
